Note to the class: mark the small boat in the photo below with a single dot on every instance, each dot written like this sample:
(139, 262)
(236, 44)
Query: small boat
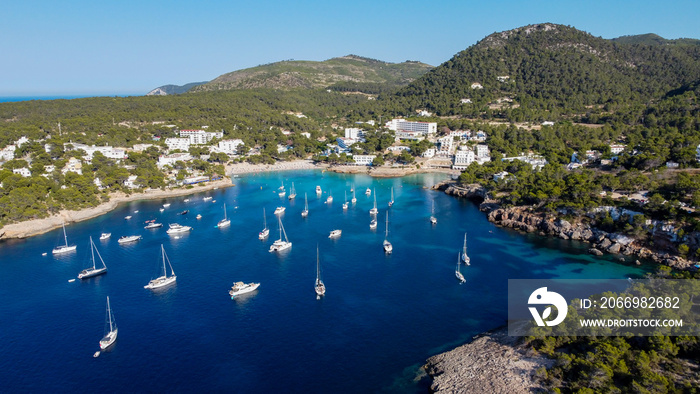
(207, 198)
(153, 224)
(225, 222)
(176, 228)
(97, 354)
(374, 210)
(166, 205)
(345, 204)
(391, 202)
(213, 201)
(71, 280)
(239, 288)
(282, 193)
(199, 216)
(433, 219)
(305, 212)
(111, 335)
(318, 189)
(127, 217)
(265, 231)
(104, 236)
(279, 210)
(163, 280)
(136, 211)
(292, 193)
(93, 271)
(319, 287)
(335, 233)
(368, 191)
(388, 248)
(465, 257)
(185, 212)
(44, 254)
(281, 187)
(124, 239)
(162, 209)
(186, 200)
(458, 274)
(354, 200)
(280, 245)
(330, 197)
(373, 224)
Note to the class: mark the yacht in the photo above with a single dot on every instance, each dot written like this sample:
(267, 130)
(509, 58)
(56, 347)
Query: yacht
(373, 224)
(335, 233)
(125, 239)
(388, 248)
(305, 212)
(225, 222)
(465, 257)
(199, 216)
(354, 200)
(239, 288)
(368, 191)
(280, 244)
(391, 202)
(176, 229)
(186, 200)
(280, 210)
(265, 231)
(330, 197)
(104, 236)
(93, 271)
(458, 274)
(127, 217)
(162, 209)
(207, 198)
(166, 205)
(163, 280)
(292, 193)
(153, 224)
(318, 189)
(111, 335)
(433, 219)
(345, 204)
(374, 209)
(319, 287)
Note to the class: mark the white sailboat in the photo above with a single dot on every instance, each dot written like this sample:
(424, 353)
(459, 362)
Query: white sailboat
(345, 204)
(433, 219)
(320, 287)
(163, 280)
(391, 202)
(368, 191)
(318, 189)
(93, 271)
(292, 193)
(458, 274)
(280, 244)
(374, 210)
(388, 248)
(305, 212)
(265, 231)
(330, 197)
(354, 200)
(465, 258)
(225, 222)
(111, 334)
(64, 248)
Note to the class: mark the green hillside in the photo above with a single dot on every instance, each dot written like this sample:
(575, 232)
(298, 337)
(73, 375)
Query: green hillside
(347, 73)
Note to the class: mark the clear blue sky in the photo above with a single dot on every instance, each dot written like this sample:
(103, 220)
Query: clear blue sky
(130, 47)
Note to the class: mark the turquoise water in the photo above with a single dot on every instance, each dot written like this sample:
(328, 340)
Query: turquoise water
(382, 316)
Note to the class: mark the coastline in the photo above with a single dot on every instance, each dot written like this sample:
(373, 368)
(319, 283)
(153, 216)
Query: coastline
(33, 227)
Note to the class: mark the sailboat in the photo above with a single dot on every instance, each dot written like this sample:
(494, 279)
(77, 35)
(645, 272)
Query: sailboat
(433, 219)
(330, 197)
(305, 212)
(280, 245)
(111, 335)
(374, 210)
(225, 222)
(465, 258)
(164, 280)
(94, 271)
(265, 231)
(64, 248)
(292, 193)
(391, 202)
(320, 287)
(388, 248)
(354, 200)
(458, 274)
(345, 204)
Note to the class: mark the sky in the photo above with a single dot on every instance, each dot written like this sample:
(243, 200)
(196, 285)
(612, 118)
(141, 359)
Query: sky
(129, 47)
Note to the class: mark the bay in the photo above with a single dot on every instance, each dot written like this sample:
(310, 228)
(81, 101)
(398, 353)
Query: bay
(382, 315)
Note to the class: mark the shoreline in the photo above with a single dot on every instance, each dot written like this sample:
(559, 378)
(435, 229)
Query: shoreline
(29, 228)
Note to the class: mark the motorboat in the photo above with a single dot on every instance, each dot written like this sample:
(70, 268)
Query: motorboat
(104, 236)
(125, 239)
(177, 228)
(239, 288)
(335, 233)
(279, 210)
(153, 225)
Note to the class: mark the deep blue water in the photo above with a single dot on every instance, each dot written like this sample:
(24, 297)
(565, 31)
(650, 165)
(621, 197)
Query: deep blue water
(382, 316)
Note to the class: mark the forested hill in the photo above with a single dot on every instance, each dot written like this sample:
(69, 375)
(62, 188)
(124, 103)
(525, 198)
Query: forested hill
(347, 73)
(173, 89)
(552, 70)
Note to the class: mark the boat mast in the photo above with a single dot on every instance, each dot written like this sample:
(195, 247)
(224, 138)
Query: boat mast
(318, 266)
(264, 220)
(282, 229)
(109, 315)
(64, 233)
(224, 211)
(386, 234)
(92, 250)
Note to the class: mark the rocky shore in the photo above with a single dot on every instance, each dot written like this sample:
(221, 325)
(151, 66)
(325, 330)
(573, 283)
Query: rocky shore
(491, 363)
(523, 218)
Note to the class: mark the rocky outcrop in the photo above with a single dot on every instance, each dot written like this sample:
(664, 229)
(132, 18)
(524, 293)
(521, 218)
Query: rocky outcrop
(492, 363)
(473, 191)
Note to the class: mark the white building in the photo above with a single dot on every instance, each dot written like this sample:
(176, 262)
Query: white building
(107, 151)
(465, 101)
(73, 165)
(8, 152)
(21, 141)
(409, 135)
(425, 128)
(463, 158)
(346, 143)
(363, 160)
(305, 134)
(230, 147)
(131, 182)
(354, 133)
(503, 78)
(547, 123)
(399, 148)
(501, 175)
(165, 160)
(182, 144)
(142, 147)
(23, 171)
(479, 136)
(536, 161)
(617, 148)
(430, 152)
(446, 144)
(477, 85)
(200, 137)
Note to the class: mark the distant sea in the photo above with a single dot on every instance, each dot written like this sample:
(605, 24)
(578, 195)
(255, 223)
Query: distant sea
(381, 318)
(8, 99)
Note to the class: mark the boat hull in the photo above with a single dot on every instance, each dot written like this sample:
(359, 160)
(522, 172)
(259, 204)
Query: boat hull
(64, 249)
(84, 274)
(244, 290)
(108, 340)
(160, 282)
(280, 246)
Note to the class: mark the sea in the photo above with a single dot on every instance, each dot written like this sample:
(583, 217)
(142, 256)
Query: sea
(381, 318)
